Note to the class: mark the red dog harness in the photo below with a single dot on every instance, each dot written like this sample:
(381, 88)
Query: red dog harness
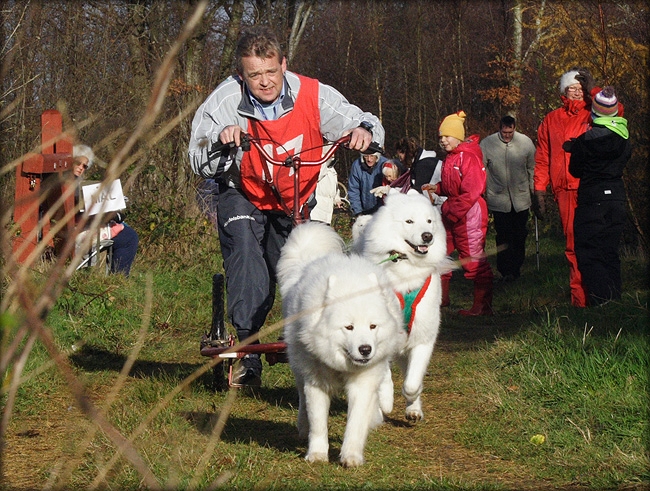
(410, 302)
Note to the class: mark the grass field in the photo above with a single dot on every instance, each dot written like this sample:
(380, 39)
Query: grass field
(539, 396)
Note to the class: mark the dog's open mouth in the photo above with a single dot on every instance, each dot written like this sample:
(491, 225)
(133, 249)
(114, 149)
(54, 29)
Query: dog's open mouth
(360, 361)
(419, 249)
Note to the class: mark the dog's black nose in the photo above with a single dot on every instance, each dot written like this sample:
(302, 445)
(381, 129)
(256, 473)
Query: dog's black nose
(365, 349)
(427, 237)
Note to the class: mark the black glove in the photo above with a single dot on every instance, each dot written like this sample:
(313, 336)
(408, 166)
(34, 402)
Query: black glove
(539, 204)
(567, 145)
(587, 82)
(119, 217)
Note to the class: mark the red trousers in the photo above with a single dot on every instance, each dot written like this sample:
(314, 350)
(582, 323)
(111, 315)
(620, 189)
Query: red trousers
(567, 201)
(467, 236)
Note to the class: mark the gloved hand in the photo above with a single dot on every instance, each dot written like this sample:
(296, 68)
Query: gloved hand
(587, 82)
(380, 191)
(567, 145)
(431, 190)
(539, 204)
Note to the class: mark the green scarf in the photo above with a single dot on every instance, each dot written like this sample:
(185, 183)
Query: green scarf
(616, 124)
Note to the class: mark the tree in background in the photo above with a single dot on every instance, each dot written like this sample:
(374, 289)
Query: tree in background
(411, 62)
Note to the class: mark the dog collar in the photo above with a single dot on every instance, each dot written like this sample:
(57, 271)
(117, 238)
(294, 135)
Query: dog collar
(393, 256)
(409, 303)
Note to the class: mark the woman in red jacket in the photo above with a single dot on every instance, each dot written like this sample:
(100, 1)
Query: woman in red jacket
(464, 212)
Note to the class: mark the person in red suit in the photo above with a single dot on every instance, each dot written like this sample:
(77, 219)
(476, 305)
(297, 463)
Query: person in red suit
(569, 121)
(464, 211)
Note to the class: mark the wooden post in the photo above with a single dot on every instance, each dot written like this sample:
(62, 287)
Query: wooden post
(55, 158)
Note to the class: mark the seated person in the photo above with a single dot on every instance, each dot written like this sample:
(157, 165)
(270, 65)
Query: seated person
(125, 239)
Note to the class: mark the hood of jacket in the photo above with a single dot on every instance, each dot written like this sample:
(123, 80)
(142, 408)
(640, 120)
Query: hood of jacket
(616, 124)
(470, 144)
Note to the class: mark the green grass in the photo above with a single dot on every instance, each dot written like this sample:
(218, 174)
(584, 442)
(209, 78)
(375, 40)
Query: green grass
(585, 392)
(539, 366)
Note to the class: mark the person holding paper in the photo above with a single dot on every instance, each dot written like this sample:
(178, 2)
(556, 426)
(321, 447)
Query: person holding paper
(125, 239)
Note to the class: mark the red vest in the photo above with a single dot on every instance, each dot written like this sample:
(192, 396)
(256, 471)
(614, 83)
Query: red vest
(292, 133)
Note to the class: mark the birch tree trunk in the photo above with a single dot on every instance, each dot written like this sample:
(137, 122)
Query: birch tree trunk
(517, 42)
(302, 13)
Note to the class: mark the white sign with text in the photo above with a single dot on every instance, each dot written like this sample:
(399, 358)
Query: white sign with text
(110, 198)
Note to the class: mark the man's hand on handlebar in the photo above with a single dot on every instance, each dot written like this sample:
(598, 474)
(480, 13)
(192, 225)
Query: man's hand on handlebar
(360, 139)
(231, 134)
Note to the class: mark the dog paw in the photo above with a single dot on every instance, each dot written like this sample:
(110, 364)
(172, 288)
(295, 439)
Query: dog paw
(414, 415)
(352, 460)
(316, 457)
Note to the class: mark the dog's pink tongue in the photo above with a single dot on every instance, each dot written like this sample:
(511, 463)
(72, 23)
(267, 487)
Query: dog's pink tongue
(423, 248)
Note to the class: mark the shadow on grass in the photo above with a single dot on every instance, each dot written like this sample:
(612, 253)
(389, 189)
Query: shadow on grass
(462, 333)
(266, 433)
(94, 359)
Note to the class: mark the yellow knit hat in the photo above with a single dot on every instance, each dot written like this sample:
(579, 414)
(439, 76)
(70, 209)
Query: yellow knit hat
(453, 125)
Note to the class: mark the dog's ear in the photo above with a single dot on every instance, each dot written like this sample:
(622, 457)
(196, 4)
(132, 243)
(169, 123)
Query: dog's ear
(373, 280)
(332, 282)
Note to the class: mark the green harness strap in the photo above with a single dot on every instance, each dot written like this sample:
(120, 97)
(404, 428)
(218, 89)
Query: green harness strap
(410, 301)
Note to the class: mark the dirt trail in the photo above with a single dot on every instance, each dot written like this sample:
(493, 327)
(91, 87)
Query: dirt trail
(436, 436)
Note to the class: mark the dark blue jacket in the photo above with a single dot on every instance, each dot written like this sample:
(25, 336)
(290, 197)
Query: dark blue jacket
(362, 179)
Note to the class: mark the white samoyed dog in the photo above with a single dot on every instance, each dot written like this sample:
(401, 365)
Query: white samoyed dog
(343, 325)
(407, 237)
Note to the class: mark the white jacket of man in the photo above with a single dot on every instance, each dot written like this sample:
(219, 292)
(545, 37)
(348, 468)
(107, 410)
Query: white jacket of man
(510, 168)
(228, 105)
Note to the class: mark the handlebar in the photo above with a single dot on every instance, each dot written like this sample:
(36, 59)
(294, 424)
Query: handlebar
(293, 161)
(247, 140)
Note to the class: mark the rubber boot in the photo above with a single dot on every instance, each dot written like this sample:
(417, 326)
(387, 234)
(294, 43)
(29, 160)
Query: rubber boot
(444, 282)
(482, 299)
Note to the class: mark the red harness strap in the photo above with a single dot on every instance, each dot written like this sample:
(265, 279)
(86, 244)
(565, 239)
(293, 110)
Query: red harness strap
(411, 302)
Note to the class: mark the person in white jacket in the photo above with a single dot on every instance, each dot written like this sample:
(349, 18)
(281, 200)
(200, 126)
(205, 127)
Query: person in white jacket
(509, 158)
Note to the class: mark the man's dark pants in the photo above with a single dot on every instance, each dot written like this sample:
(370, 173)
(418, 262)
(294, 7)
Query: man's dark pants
(251, 241)
(511, 232)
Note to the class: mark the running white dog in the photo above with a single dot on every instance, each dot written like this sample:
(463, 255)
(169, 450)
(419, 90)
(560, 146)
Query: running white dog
(343, 325)
(408, 238)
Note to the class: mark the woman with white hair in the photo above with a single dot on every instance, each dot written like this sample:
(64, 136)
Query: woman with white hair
(365, 175)
(125, 239)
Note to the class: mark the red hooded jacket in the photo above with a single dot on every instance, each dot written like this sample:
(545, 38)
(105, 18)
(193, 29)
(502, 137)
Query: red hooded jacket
(463, 179)
(551, 161)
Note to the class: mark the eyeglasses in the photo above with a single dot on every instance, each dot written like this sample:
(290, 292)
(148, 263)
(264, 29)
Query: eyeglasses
(574, 89)
(85, 166)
